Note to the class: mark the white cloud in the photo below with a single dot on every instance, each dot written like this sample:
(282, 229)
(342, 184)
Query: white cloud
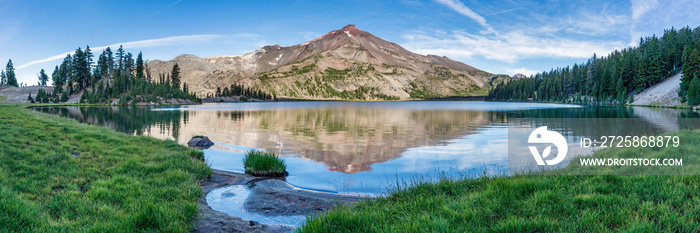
(573, 36)
(168, 41)
(459, 7)
(525, 71)
(505, 11)
(160, 42)
(652, 17)
(593, 24)
(505, 47)
(172, 4)
(48, 59)
(639, 7)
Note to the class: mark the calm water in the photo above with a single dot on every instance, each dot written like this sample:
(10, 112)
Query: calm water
(357, 147)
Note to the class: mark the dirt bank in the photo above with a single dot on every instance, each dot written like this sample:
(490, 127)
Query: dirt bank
(662, 94)
(20, 94)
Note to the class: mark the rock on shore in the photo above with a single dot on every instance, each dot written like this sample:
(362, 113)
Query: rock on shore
(200, 142)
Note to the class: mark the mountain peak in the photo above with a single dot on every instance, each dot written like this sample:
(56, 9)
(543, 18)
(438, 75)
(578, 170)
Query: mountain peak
(349, 30)
(349, 27)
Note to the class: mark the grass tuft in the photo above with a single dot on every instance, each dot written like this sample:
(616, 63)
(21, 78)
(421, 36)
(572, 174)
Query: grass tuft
(196, 154)
(260, 163)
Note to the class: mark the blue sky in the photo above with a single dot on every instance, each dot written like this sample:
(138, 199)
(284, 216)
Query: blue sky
(504, 37)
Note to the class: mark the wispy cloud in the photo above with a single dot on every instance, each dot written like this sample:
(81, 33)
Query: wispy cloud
(160, 42)
(505, 47)
(459, 7)
(165, 8)
(593, 24)
(169, 41)
(48, 59)
(505, 11)
(639, 7)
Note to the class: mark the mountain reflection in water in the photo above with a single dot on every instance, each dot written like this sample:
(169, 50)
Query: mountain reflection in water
(408, 138)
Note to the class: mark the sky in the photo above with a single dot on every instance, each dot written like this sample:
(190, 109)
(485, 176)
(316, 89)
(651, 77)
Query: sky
(500, 37)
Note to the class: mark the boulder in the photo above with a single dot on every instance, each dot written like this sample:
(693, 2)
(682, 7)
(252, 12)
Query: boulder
(200, 142)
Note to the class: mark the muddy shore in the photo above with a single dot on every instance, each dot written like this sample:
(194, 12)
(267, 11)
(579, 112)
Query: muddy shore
(270, 197)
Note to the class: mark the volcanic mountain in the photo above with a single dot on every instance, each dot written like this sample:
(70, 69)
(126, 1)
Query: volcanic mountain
(343, 64)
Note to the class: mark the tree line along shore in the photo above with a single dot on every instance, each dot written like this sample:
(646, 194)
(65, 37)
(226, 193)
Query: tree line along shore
(615, 78)
(116, 78)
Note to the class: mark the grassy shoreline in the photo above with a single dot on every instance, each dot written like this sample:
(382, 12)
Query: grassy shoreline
(58, 175)
(536, 203)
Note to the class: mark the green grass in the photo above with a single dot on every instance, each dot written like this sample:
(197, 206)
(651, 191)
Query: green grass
(536, 203)
(3, 98)
(57, 175)
(260, 163)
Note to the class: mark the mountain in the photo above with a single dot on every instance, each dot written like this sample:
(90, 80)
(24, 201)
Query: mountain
(343, 64)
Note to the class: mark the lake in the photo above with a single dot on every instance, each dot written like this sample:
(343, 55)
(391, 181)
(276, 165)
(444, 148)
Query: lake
(358, 147)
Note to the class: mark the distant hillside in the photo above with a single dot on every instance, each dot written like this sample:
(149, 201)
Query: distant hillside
(343, 64)
(19, 94)
(620, 77)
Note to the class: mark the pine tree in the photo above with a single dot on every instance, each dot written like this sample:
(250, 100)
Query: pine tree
(43, 78)
(693, 92)
(88, 55)
(110, 62)
(57, 81)
(10, 77)
(175, 76)
(655, 62)
(640, 79)
(99, 70)
(89, 79)
(66, 72)
(81, 69)
(139, 66)
(690, 67)
(3, 78)
(128, 64)
(120, 60)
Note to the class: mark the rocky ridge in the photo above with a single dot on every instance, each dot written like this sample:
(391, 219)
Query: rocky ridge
(343, 64)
